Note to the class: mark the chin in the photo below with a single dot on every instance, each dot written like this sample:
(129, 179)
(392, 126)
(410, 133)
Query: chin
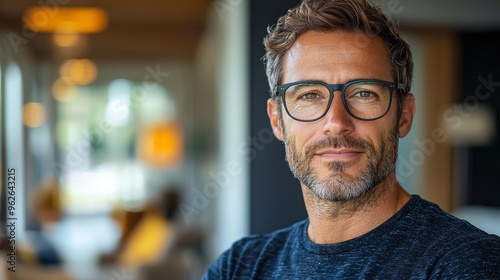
(340, 187)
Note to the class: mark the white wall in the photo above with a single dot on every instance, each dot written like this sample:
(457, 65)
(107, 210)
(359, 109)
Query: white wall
(234, 118)
(223, 56)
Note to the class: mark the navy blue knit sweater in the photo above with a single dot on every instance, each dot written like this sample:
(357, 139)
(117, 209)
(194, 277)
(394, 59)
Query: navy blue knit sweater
(419, 242)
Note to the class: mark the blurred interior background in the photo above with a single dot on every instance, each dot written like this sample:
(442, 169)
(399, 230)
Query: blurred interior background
(138, 136)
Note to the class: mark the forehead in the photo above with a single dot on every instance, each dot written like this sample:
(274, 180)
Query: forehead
(336, 57)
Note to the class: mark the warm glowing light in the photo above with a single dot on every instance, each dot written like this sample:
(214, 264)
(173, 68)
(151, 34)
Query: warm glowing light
(63, 90)
(161, 145)
(33, 114)
(66, 39)
(75, 20)
(79, 71)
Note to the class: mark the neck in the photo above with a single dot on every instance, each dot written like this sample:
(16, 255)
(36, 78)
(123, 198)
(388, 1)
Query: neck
(337, 221)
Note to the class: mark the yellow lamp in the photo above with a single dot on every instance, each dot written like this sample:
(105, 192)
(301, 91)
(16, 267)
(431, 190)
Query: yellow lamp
(79, 71)
(74, 20)
(33, 114)
(161, 145)
(62, 90)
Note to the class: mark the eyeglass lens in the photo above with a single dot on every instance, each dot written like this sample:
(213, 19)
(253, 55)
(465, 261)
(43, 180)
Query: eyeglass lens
(365, 100)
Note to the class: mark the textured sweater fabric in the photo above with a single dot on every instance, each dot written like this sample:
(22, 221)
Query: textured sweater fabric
(421, 241)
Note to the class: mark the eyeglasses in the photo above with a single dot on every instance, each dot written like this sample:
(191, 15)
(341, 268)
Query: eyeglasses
(308, 101)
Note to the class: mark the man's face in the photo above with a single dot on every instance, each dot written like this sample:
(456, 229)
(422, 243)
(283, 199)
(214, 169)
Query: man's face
(339, 157)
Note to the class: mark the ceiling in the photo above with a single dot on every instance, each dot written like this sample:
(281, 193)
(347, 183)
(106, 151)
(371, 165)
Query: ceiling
(137, 30)
(171, 30)
(456, 14)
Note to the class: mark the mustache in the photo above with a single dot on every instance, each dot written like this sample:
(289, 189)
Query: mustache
(337, 142)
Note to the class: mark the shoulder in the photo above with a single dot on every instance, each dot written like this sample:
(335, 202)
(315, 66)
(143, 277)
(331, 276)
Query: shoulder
(254, 245)
(470, 256)
(245, 253)
(276, 239)
(431, 218)
(458, 248)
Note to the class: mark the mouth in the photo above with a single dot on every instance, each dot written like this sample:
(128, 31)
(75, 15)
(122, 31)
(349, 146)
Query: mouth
(339, 154)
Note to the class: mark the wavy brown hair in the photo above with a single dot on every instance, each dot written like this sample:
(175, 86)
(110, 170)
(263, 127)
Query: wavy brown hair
(330, 15)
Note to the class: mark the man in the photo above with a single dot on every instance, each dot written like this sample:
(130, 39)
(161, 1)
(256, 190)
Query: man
(340, 77)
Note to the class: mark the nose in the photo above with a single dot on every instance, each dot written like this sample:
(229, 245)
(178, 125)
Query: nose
(337, 120)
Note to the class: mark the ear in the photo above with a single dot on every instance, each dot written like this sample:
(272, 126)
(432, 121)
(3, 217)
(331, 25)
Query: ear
(274, 118)
(407, 115)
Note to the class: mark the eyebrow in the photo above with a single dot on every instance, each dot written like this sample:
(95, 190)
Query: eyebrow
(324, 82)
(297, 87)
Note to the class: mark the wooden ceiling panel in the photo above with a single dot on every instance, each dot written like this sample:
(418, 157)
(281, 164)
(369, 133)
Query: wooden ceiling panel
(137, 29)
(145, 41)
(126, 10)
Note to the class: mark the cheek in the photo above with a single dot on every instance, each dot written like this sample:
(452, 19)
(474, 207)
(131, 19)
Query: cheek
(382, 130)
(374, 131)
(301, 132)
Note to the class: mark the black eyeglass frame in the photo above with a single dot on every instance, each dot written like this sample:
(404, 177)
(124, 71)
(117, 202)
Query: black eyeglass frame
(281, 90)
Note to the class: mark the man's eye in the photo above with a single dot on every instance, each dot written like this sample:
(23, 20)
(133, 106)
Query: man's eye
(365, 94)
(310, 95)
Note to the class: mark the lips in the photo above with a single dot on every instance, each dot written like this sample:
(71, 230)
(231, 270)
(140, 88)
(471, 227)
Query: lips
(339, 154)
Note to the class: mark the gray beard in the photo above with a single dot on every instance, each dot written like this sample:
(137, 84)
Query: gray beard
(337, 186)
